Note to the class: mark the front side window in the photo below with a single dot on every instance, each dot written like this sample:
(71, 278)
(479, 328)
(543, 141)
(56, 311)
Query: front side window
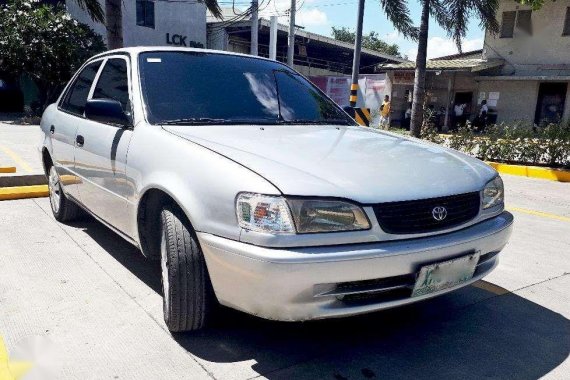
(145, 13)
(113, 82)
(76, 96)
(203, 88)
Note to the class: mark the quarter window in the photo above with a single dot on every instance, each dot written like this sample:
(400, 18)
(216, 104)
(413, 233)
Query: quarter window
(113, 82)
(145, 13)
(76, 97)
(566, 31)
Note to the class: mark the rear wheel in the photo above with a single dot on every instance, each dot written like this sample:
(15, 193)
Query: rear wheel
(64, 210)
(188, 297)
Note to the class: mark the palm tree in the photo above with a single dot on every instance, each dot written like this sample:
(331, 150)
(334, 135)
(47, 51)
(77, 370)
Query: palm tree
(113, 17)
(453, 16)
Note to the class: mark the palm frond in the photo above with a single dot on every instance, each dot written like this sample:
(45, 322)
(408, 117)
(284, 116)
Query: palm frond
(214, 8)
(93, 8)
(487, 12)
(398, 13)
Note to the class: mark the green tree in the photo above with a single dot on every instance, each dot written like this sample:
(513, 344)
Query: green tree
(370, 41)
(45, 43)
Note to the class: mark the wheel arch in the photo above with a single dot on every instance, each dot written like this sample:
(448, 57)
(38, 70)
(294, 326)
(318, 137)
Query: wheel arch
(149, 207)
(47, 161)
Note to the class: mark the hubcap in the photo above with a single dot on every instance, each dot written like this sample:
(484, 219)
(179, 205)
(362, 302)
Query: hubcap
(164, 266)
(54, 190)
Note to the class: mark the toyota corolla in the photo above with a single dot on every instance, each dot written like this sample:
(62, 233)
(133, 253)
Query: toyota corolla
(256, 191)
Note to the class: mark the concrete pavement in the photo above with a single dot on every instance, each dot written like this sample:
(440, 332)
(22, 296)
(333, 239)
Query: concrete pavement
(94, 304)
(18, 147)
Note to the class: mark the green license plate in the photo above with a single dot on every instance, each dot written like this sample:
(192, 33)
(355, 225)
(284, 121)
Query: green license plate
(446, 274)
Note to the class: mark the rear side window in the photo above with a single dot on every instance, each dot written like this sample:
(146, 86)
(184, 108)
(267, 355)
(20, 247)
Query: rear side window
(113, 82)
(76, 97)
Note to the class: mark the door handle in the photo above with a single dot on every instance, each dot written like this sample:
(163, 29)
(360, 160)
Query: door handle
(52, 129)
(79, 140)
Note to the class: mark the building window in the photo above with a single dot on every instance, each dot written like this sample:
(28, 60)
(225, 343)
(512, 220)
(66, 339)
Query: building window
(521, 19)
(566, 31)
(524, 22)
(508, 24)
(145, 13)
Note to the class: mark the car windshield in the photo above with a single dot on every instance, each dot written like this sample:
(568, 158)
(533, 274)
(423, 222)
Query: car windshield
(209, 88)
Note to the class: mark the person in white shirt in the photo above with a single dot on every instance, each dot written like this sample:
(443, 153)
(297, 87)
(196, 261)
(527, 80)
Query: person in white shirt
(458, 112)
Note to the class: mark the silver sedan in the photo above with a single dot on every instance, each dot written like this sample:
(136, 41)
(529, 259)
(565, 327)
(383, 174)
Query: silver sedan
(257, 192)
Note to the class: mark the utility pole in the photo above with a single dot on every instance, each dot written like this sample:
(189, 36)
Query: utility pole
(356, 60)
(291, 45)
(254, 27)
(273, 38)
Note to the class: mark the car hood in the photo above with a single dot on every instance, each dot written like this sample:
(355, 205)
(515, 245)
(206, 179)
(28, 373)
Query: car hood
(356, 163)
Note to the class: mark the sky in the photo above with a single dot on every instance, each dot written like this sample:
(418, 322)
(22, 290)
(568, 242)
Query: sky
(319, 16)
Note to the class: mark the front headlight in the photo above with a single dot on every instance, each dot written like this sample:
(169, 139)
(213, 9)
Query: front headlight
(273, 214)
(314, 215)
(493, 193)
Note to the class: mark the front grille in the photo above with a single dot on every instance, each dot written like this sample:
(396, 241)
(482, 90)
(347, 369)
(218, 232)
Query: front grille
(414, 217)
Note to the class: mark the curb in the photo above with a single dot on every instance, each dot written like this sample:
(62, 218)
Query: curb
(23, 186)
(550, 174)
(21, 192)
(23, 180)
(7, 169)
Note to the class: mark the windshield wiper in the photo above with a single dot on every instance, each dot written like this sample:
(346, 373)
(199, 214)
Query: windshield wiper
(209, 120)
(193, 120)
(316, 122)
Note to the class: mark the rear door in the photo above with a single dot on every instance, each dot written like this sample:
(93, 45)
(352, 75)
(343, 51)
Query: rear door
(101, 159)
(64, 129)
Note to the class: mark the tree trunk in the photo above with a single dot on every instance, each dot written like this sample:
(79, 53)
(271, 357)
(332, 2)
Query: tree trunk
(420, 77)
(114, 23)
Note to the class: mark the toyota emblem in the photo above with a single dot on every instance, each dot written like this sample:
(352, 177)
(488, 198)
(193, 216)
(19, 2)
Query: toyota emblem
(439, 213)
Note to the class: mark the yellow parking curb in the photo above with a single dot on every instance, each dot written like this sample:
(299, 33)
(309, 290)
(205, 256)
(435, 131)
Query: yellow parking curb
(559, 175)
(7, 169)
(21, 192)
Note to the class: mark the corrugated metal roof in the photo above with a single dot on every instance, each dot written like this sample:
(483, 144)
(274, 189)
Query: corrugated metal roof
(446, 64)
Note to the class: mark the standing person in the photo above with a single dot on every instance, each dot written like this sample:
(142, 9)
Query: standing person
(408, 117)
(482, 117)
(458, 112)
(385, 113)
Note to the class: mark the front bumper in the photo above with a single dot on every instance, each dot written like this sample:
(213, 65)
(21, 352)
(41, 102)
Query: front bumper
(297, 284)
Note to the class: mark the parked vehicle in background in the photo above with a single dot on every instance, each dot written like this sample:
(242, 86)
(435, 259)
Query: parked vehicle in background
(256, 191)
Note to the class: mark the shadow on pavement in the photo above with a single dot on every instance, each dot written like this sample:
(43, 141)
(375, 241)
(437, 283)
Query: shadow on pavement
(469, 334)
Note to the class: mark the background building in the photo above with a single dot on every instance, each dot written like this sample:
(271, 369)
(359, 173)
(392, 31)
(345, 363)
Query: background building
(148, 22)
(523, 72)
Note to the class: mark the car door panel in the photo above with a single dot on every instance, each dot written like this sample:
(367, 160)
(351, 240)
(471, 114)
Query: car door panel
(63, 129)
(101, 159)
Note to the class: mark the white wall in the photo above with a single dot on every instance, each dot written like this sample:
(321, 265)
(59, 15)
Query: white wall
(546, 46)
(186, 19)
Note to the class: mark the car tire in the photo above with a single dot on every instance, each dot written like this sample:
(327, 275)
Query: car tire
(187, 292)
(64, 210)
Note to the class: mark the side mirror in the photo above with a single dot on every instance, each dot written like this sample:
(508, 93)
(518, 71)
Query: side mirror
(108, 111)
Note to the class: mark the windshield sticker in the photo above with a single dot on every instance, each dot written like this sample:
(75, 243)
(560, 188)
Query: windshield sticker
(154, 60)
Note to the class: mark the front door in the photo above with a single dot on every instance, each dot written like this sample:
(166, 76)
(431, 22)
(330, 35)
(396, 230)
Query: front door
(64, 130)
(550, 103)
(101, 159)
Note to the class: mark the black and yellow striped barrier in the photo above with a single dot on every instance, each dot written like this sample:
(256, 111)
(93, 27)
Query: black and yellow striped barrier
(362, 116)
(353, 94)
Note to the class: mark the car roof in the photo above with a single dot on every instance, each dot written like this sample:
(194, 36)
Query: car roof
(135, 50)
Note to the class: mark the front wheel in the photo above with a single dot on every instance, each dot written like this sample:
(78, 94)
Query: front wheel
(185, 282)
(64, 210)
